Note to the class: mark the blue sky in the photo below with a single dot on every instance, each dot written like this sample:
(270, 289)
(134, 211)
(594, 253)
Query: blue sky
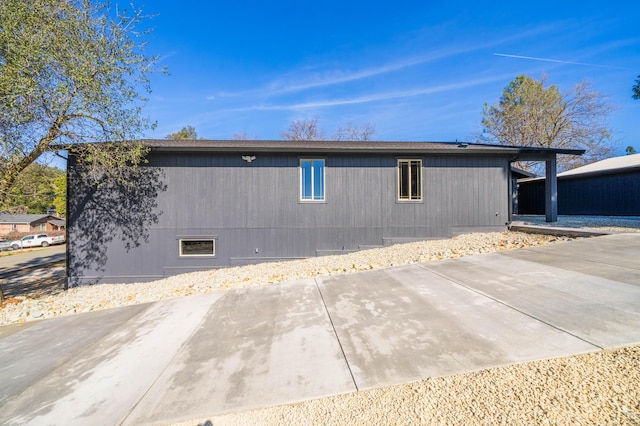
(416, 70)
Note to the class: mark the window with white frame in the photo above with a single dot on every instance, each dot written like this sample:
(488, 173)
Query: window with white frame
(409, 180)
(312, 180)
(197, 247)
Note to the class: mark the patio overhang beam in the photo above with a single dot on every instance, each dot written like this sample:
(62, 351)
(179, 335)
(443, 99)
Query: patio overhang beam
(551, 175)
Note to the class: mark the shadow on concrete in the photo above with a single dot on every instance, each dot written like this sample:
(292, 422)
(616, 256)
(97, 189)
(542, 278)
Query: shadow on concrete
(30, 263)
(34, 283)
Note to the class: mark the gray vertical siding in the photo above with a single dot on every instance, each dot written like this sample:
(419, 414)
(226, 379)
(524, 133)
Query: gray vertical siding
(613, 194)
(249, 206)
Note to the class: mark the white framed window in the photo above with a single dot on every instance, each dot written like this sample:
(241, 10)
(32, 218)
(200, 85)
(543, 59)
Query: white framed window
(197, 247)
(409, 180)
(312, 179)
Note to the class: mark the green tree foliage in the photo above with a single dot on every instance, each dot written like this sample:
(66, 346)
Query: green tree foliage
(187, 133)
(630, 150)
(636, 89)
(71, 72)
(34, 190)
(60, 200)
(533, 114)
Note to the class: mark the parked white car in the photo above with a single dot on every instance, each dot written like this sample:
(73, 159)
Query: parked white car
(37, 240)
(5, 245)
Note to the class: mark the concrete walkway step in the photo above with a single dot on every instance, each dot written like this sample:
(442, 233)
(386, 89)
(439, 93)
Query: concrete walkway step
(558, 230)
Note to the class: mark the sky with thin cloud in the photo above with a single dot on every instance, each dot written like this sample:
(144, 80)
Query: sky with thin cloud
(416, 70)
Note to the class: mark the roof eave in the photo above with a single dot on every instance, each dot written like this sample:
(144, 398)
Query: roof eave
(317, 149)
(542, 154)
(355, 147)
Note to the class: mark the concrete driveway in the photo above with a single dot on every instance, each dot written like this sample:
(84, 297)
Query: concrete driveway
(193, 357)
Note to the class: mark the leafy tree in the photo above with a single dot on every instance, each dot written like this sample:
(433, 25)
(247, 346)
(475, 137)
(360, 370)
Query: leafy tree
(309, 130)
(60, 200)
(187, 133)
(533, 114)
(636, 89)
(70, 72)
(630, 150)
(34, 190)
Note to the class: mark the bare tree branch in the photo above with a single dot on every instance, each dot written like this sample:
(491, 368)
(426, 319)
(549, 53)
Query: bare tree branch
(352, 132)
(304, 130)
(70, 73)
(309, 130)
(243, 136)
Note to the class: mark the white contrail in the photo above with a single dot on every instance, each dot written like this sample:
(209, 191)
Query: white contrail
(375, 97)
(554, 60)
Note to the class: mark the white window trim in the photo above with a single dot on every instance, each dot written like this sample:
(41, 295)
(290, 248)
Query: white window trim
(324, 175)
(213, 240)
(398, 181)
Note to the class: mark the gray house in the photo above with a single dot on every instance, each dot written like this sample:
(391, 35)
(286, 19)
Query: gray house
(609, 187)
(210, 204)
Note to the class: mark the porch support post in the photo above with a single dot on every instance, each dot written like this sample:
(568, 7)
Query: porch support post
(551, 190)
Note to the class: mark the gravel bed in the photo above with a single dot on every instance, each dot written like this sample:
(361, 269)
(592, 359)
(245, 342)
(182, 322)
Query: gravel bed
(55, 302)
(605, 223)
(601, 388)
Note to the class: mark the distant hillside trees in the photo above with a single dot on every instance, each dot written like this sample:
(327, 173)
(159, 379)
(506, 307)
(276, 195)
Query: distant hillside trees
(60, 200)
(36, 190)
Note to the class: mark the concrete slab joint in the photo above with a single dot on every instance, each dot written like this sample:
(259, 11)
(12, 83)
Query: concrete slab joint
(198, 356)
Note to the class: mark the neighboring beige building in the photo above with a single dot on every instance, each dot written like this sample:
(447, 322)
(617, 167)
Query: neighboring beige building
(28, 223)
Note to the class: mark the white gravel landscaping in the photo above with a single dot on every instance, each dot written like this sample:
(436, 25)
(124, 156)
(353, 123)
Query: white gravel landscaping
(57, 302)
(600, 388)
